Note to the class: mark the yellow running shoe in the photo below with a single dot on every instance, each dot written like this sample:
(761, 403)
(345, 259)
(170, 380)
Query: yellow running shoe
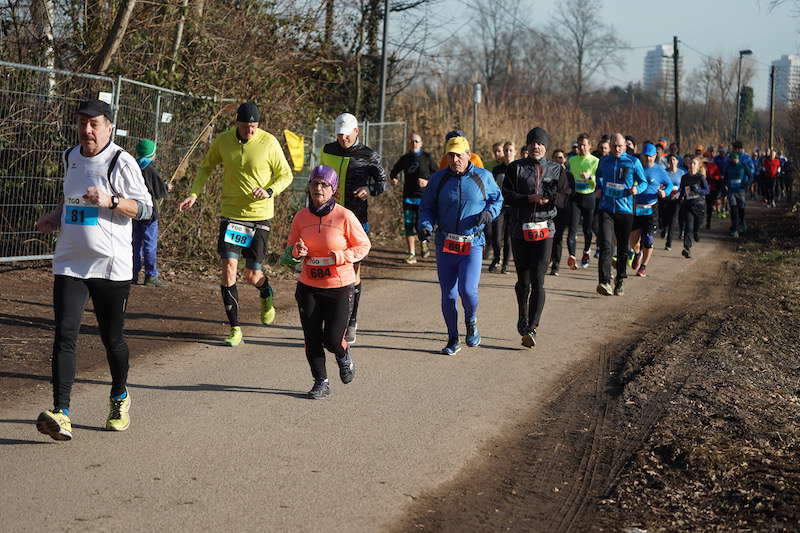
(54, 423)
(267, 309)
(118, 418)
(235, 338)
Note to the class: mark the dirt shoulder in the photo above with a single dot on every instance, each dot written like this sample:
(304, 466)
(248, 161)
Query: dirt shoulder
(689, 427)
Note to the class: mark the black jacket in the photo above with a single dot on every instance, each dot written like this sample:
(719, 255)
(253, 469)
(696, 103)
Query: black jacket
(527, 176)
(155, 186)
(413, 167)
(357, 166)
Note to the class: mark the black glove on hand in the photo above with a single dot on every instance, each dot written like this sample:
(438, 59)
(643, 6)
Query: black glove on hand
(484, 218)
(424, 234)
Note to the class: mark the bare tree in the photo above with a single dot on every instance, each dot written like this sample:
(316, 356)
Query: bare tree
(114, 38)
(584, 45)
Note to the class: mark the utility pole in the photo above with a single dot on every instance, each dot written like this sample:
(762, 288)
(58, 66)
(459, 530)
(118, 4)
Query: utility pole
(384, 62)
(476, 99)
(771, 106)
(675, 88)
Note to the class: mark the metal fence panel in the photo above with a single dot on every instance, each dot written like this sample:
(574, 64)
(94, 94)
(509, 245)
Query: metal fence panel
(37, 123)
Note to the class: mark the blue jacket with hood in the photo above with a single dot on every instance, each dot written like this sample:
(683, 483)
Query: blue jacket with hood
(615, 177)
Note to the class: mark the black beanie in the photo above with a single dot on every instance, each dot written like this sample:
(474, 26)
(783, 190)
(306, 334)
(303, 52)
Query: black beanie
(247, 112)
(538, 135)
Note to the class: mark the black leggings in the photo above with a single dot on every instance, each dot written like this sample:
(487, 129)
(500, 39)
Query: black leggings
(531, 260)
(500, 236)
(582, 209)
(614, 225)
(109, 299)
(561, 222)
(324, 315)
(667, 218)
(691, 218)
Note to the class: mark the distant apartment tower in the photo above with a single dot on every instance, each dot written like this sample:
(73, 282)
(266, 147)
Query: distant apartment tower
(659, 69)
(787, 80)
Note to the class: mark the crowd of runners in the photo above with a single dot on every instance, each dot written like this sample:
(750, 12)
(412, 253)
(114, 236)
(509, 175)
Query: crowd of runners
(619, 197)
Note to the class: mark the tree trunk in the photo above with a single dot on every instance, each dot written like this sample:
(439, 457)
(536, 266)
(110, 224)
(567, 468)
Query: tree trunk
(176, 44)
(103, 60)
(42, 13)
(329, 5)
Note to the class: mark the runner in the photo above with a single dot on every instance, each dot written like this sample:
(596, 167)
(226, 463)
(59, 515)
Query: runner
(103, 190)
(327, 239)
(671, 203)
(416, 165)
(145, 232)
(659, 186)
(562, 219)
(474, 158)
(787, 179)
(692, 189)
(746, 160)
(771, 168)
(618, 177)
(737, 179)
(499, 234)
(534, 188)
(361, 172)
(497, 156)
(583, 168)
(458, 202)
(255, 171)
(716, 188)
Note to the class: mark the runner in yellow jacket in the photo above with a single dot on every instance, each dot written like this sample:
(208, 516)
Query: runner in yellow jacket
(255, 171)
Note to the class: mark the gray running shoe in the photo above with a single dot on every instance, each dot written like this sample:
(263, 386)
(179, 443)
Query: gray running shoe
(347, 367)
(320, 390)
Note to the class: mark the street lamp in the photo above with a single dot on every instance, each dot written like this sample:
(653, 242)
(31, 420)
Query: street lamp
(739, 92)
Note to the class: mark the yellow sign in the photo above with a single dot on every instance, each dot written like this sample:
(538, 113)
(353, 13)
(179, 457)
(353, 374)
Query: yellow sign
(296, 146)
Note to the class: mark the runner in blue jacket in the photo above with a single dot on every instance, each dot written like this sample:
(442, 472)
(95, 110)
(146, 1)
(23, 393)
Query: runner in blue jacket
(619, 177)
(737, 179)
(458, 203)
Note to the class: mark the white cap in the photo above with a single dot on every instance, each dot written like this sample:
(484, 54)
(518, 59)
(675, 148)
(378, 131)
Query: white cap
(345, 124)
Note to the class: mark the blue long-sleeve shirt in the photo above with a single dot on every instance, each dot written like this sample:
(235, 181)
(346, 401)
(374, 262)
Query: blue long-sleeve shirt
(615, 177)
(459, 203)
(737, 177)
(657, 180)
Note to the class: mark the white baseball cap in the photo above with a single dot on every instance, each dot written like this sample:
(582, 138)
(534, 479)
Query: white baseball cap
(345, 124)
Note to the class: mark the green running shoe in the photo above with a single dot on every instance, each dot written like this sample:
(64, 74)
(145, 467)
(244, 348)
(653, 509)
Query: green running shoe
(235, 338)
(118, 418)
(267, 309)
(54, 423)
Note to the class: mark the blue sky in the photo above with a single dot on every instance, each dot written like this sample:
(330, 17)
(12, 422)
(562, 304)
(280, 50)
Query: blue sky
(712, 27)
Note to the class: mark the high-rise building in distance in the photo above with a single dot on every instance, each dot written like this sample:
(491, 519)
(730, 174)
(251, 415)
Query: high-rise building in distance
(659, 70)
(787, 80)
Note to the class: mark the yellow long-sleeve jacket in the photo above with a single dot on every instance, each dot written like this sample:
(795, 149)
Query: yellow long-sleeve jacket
(259, 162)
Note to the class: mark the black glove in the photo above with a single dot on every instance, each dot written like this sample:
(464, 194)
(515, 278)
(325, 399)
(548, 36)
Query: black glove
(424, 234)
(484, 218)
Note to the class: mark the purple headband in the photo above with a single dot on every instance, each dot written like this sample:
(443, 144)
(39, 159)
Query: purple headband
(326, 174)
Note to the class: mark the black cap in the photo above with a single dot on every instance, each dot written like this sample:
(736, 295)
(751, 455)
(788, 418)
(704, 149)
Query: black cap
(454, 133)
(538, 135)
(94, 108)
(247, 112)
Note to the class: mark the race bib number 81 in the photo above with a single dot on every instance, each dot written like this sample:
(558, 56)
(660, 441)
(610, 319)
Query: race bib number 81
(80, 215)
(239, 235)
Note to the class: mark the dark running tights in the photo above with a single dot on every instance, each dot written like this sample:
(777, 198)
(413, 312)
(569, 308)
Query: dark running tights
(324, 315)
(531, 259)
(109, 299)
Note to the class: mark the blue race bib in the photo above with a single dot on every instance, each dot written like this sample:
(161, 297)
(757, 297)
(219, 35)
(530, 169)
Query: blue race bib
(239, 235)
(81, 215)
(614, 190)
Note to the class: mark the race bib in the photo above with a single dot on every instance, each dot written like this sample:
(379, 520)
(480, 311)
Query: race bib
(320, 267)
(735, 184)
(582, 186)
(614, 190)
(457, 244)
(76, 213)
(535, 231)
(239, 235)
(644, 206)
(690, 194)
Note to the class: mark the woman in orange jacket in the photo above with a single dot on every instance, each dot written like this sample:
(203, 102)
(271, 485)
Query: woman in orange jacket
(326, 239)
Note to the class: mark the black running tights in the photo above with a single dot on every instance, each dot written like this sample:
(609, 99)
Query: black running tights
(324, 316)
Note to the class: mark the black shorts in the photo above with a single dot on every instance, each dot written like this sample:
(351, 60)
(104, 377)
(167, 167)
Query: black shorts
(255, 253)
(646, 223)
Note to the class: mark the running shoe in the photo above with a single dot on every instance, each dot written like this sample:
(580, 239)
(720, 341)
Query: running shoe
(522, 326)
(504, 269)
(347, 367)
(320, 390)
(350, 334)
(642, 272)
(618, 290)
(572, 263)
(604, 289)
(473, 337)
(637, 260)
(425, 250)
(492, 266)
(529, 339)
(267, 309)
(554, 271)
(452, 348)
(585, 259)
(411, 259)
(118, 418)
(55, 423)
(154, 282)
(235, 338)
(668, 247)
(686, 253)
(631, 256)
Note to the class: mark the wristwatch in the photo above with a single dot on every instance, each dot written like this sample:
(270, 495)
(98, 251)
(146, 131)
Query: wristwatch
(114, 202)
(269, 192)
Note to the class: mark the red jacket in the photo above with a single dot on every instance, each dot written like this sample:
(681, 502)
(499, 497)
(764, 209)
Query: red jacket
(772, 167)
